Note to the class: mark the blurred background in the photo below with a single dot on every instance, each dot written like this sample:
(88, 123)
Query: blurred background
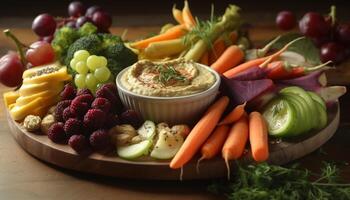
(151, 14)
(16, 13)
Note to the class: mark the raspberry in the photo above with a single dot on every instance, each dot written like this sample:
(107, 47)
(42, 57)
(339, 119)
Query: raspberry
(107, 91)
(56, 133)
(100, 140)
(79, 107)
(68, 92)
(67, 114)
(111, 121)
(101, 103)
(131, 117)
(86, 98)
(80, 144)
(73, 127)
(60, 108)
(111, 87)
(94, 119)
(83, 91)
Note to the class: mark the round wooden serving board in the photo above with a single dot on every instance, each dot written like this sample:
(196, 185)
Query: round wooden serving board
(62, 155)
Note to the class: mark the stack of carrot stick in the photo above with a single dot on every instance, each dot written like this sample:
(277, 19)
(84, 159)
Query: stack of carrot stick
(230, 135)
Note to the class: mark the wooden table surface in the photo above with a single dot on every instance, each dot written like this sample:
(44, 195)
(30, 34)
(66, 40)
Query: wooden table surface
(24, 177)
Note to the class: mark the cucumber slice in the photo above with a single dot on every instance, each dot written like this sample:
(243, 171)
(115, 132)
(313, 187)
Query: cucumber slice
(318, 99)
(134, 151)
(300, 125)
(280, 116)
(309, 101)
(322, 116)
(147, 130)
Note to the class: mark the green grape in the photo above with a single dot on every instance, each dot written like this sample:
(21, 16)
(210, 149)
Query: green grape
(93, 62)
(102, 74)
(81, 55)
(81, 67)
(73, 63)
(90, 81)
(103, 61)
(79, 80)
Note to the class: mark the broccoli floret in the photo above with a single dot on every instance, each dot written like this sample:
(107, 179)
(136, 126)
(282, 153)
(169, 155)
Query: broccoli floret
(87, 29)
(119, 57)
(109, 39)
(90, 43)
(64, 37)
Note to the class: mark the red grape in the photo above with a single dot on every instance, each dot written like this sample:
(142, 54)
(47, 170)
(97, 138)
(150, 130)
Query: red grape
(81, 21)
(332, 52)
(71, 24)
(11, 70)
(285, 20)
(91, 10)
(102, 19)
(44, 25)
(319, 41)
(40, 53)
(76, 9)
(314, 25)
(343, 33)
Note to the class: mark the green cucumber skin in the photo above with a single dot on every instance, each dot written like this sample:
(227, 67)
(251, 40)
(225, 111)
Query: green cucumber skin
(286, 130)
(302, 93)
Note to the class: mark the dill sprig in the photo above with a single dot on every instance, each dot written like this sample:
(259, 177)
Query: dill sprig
(167, 73)
(264, 181)
(202, 30)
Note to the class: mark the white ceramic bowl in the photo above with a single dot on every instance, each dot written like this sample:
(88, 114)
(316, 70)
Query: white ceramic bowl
(172, 110)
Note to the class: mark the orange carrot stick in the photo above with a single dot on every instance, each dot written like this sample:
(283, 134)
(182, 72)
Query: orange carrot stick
(199, 133)
(187, 16)
(232, 56)
(214, 143)
(234, 115)
(204, 59)
(218, 49)
(261, 62)
(258, 137)
(235, 142)
(177, 14)
(173, 33)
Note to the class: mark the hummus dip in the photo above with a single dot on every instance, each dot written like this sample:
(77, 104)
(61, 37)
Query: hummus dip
(167, 79)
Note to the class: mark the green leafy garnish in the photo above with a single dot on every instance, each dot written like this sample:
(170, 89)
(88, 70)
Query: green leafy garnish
(264, 181)
(167, 73)
(304, 47)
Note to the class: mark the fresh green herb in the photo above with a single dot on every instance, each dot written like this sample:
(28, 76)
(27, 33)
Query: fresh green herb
(202, 30)
(304, 47)
(264, 181)
(167, 73)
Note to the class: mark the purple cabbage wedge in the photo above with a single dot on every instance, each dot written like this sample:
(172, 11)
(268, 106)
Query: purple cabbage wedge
(255, 92)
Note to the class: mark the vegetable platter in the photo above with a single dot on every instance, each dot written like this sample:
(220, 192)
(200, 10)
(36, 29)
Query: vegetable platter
(187, 102)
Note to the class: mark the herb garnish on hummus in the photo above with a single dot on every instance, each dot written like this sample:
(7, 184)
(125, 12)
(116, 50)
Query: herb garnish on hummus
(168, 78)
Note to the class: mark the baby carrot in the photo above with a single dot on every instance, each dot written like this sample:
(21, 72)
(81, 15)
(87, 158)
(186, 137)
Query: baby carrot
(204, 59)
(218, 49)
(235, 142)
(187, 16)
(214, 143)
(177, 14)
(234, 115)
(261, 62)
(258, 137)
(232, 56)
(172, 33)
(199, 133)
